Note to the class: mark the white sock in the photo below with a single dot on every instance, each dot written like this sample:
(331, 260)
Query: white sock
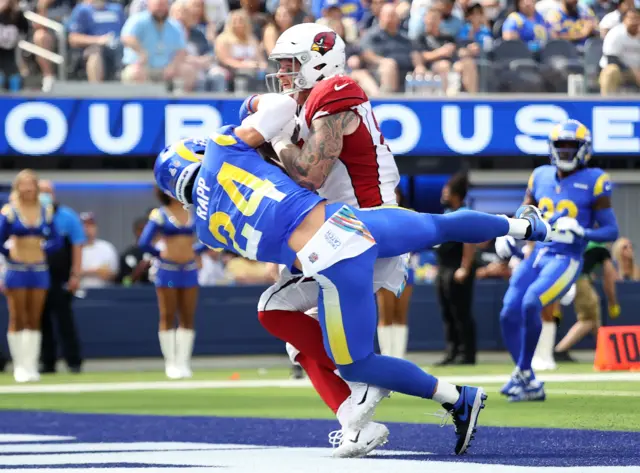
(518, 227)
(184, 346)
(31, 345)
(400, 334)
(168, 346)
(14, 339)
(446, 393)
(547, 341)
(385, 339)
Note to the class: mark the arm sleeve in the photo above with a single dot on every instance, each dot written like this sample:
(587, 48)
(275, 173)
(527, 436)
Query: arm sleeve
(607, 226)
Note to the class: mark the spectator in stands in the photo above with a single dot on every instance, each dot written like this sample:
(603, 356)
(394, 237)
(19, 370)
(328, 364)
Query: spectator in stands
(256, 19)
(201, 19)
(371, 14)
(239, 51)
(155, 48)
(624, 260)
(350, 8)
(475, 30)
(94, 29)
(134, 267)
(210, 76)
(282, 20)
(620, 61)
(56, 10)
(332, 12)
(99, 257)
(526, 24)
(450, 23)
(614, 18)
(212, 272)
(13, 26)
(297, 10)
(437, 52)
(65, 266)
(603, 7)
(573, 22)
(355, 66)
(387, 52)
(216, 12)
(544, 6)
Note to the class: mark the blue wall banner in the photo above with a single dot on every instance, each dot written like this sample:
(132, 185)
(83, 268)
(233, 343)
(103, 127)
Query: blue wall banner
(482, 127)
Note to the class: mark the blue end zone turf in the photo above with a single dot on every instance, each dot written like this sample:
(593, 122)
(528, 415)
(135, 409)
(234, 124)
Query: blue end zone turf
(493, 445)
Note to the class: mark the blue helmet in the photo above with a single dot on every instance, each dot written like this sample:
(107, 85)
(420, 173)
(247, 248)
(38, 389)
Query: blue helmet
(570, 145)
(176, 165)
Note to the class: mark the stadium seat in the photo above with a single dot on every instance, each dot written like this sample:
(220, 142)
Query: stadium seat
(592, 56)
(563, 56)
(516, 68)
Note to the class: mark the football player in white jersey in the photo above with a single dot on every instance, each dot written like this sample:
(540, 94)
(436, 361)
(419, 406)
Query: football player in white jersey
(339, 152)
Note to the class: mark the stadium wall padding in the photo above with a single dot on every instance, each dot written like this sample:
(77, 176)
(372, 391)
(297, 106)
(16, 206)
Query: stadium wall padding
(123, 322)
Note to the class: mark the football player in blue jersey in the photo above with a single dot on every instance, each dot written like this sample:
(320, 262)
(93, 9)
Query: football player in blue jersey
(578, 200)
(248, 206)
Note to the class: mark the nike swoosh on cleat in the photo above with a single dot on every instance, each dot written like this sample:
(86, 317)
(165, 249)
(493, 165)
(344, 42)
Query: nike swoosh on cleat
(364, 398)
(356, 439)
(370, 442)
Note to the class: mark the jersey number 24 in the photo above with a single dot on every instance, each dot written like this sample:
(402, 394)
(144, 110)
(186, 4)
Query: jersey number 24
(229, 177)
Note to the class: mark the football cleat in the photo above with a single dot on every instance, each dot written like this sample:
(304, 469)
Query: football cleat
(465, 414)
(527, 389)
(349, 443)
(513, 383)
(364, 400)
(540, 230)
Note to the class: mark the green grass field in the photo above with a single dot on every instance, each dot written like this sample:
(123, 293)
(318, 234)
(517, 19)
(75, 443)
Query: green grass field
(592, 404)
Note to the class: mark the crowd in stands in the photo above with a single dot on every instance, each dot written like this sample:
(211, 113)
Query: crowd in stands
(419, 46)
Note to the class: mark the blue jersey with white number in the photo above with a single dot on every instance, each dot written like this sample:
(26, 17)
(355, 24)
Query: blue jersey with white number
(574, 196)
(246, 205)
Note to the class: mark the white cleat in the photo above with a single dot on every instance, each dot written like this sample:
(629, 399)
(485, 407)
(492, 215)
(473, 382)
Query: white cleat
(21, 375)
(185, 372)
(364, 400)
(173, 372)
(540, 364)
(350, 443)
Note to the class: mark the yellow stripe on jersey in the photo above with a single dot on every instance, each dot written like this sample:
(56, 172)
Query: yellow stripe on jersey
(530, 183)
(562, 284)
(600, 184)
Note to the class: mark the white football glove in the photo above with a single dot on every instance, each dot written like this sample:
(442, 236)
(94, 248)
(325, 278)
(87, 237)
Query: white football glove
(505, 246)
(566, 229)
(282, 139)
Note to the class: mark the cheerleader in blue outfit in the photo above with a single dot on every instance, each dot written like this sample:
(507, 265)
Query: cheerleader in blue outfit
(176, 280)
(393, 309)
(28, 227)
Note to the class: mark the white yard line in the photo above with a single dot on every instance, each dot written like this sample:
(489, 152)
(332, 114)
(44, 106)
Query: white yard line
(276, 383)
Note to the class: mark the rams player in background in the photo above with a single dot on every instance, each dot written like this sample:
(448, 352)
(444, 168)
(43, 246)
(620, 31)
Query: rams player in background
(576, 198)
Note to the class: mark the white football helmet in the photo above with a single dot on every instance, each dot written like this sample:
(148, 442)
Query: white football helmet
(316, 50)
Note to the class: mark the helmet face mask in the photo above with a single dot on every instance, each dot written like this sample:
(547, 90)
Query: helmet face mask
(288, 79)
(570, 146)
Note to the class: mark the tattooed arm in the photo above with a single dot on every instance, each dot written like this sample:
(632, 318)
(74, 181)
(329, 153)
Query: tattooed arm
(311, 165)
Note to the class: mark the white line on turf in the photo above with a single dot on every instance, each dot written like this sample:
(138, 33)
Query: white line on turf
(285, 383)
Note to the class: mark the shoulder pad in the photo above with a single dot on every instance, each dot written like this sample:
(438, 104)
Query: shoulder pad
(602, 185)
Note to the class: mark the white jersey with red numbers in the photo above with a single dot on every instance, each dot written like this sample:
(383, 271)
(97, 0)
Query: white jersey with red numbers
(366, 174)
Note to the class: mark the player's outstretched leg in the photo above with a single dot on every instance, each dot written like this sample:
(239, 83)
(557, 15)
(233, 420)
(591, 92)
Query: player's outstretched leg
(419, 231)
(348, 319)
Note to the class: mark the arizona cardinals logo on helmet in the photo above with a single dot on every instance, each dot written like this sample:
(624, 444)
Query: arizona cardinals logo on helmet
(324, 42)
